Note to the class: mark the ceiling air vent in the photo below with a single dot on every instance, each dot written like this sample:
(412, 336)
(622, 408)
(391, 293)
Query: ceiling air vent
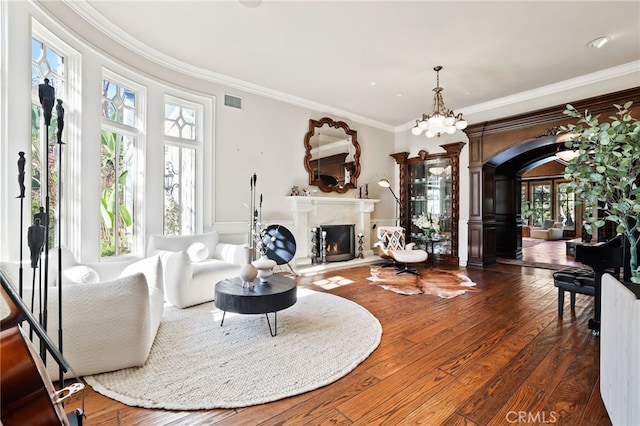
(233, 101)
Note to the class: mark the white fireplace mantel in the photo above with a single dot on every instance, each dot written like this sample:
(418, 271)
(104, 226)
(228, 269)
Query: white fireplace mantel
(310, 212)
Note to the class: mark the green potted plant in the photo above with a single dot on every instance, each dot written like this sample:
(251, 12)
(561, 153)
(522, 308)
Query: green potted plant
(526, 213)
(606, 171)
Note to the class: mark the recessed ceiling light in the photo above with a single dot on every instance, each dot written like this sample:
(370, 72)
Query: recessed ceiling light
(373, 83)
(250, 3)
(398, 94)
(599, 42)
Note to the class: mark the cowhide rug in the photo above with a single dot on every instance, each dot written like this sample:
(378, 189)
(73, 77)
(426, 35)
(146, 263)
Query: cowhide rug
(436, 282)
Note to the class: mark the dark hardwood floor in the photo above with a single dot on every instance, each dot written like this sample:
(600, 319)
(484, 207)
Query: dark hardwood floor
(493, 357)
(543, 254)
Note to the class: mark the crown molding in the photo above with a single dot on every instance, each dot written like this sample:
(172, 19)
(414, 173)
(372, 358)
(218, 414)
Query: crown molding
(91, 15)
(102, 24)
(620, 71)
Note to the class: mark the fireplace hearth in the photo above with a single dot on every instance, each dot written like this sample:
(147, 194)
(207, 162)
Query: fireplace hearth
(334, 243)
(311, 212)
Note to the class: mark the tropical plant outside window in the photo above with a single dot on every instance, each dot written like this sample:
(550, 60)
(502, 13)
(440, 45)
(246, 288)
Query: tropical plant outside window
(45, 63)
(525, 207)
(181, 149)
(117, 167)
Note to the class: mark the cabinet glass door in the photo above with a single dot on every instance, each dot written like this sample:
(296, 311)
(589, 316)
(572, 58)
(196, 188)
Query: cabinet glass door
(429, 205)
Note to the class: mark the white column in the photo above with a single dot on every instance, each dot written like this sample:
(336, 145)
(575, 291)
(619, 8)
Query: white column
(366, 208)
(300, 208)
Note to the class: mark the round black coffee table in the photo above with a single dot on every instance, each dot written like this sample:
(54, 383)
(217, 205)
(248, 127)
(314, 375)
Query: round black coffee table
(276, 294)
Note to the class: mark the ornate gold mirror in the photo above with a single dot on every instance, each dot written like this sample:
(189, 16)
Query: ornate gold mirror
(332, 155)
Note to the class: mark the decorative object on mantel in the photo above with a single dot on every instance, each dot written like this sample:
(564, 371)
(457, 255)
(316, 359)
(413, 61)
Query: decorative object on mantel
(442, 120)
(366, 191)
(363, 191)
(444, 284)
(196, 365)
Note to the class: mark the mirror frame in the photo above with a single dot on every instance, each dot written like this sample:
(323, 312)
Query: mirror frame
(316, 124)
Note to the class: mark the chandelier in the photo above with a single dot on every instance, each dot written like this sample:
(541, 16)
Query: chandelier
(567, 155)
(441, 120)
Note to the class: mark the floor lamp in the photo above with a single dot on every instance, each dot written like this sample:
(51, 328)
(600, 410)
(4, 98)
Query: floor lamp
(384, 182)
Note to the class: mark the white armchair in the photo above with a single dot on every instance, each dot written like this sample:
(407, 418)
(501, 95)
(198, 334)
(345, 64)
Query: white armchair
(107, 324)
(193, 264)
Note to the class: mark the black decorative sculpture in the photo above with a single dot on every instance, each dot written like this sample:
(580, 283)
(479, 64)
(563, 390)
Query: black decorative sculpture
(21, 163)
(35, 238)
(47, 94)
(60, 119)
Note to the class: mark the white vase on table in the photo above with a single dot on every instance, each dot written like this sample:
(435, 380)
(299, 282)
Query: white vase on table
(248, 271)
(265, 267)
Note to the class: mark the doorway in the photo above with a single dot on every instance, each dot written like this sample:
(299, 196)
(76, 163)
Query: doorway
(500, 152)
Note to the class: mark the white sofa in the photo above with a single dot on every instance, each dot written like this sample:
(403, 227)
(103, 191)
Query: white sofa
(193, 264)
(108, 324)
(549, 231)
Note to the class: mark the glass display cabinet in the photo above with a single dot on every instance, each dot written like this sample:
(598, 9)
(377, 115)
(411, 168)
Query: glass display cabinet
(429, 188)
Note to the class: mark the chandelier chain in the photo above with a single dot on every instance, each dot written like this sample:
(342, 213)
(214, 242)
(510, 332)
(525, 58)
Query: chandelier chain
(441, 120)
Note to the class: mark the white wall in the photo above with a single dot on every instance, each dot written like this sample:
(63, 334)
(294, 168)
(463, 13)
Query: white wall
(265, 138)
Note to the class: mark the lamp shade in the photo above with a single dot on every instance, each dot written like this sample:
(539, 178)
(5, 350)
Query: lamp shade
(384, 182)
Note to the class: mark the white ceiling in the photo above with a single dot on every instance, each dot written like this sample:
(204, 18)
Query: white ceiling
(326, 54)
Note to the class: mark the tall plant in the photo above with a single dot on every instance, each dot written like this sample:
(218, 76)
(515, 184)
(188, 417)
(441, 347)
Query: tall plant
(607, 170)
(114, 214)
(527, 211)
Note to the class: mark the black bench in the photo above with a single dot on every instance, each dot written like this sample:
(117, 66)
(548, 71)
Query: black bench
(573, 280)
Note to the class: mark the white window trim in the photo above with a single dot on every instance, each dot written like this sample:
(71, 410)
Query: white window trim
(204, 153)
(138, 132)
(70, 214)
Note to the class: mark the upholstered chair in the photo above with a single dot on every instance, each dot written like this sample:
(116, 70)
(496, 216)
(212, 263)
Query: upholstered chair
(110, 311)
(391, 245)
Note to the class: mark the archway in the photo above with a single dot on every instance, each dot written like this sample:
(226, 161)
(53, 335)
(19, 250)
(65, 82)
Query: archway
(509, 165)
(499, 153)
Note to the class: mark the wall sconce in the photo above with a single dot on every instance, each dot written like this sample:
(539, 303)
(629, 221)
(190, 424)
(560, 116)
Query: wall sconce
(169, 174)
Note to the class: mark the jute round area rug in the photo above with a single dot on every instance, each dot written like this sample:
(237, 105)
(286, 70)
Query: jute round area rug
(197, 364)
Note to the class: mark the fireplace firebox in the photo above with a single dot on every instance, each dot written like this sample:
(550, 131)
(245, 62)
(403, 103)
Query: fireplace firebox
(335, 243)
